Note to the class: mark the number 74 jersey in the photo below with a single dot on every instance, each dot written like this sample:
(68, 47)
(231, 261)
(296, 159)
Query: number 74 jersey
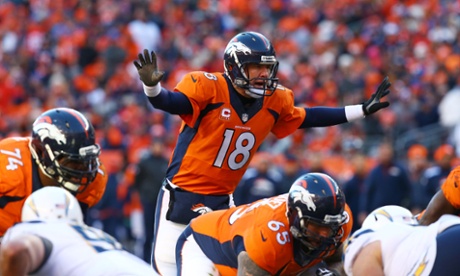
(217, 142)
(19, 178)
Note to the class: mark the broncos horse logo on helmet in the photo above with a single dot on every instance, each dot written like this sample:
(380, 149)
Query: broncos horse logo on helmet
(237, 47)
(251, 47)
(49, 131)
(64, 147)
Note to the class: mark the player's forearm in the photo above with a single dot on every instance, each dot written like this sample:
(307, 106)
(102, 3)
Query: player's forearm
(171, 102)
(247, 267)
(322, 116)
(437, 207)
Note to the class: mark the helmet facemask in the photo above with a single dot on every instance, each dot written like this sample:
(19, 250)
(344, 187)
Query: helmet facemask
(264, 86)
(74, 172)
(309, 241)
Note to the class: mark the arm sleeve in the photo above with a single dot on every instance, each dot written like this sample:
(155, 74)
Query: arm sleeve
(323, 117)
(171, 102)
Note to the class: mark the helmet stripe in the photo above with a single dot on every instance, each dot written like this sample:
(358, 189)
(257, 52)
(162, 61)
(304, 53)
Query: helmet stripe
(303, 183)
(83, 121)
(332, 187)
(263, 38)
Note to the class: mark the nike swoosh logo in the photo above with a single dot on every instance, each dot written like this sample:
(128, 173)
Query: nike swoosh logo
(4, 200)
(193, 79)
(262, 235)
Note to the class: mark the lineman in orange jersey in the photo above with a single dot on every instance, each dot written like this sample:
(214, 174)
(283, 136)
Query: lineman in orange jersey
(61, 152)
(281, 235)
(445, 201)
(226, 117)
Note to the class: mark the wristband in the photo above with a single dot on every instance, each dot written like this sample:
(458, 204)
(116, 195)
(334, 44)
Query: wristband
(354, 112)
(152, 91)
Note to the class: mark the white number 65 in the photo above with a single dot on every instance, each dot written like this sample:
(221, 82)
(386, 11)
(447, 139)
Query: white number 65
(282, 237)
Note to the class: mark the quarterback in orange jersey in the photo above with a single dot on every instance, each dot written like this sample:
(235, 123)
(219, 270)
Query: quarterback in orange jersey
(226, 116)
(281, 235)
(445, 201)
(61, 152)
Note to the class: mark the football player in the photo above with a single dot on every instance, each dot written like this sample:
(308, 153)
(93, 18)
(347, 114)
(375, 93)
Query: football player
(61, 152)
(281, 235)
(226, 117)
(445, 201)
(52, 240)
(388, 243)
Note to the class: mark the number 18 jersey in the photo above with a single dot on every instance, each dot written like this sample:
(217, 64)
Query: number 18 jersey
(217, 142)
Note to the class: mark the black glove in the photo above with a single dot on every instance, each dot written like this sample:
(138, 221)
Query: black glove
(147, 69)
(373, 104)
(322, 271)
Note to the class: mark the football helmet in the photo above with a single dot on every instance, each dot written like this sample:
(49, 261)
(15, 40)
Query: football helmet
(315, 201)
(52, 203)
(64, 148)
(251, 47)
(388, 214)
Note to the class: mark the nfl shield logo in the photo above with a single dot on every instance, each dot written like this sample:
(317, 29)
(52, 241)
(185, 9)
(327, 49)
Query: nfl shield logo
(244, 117)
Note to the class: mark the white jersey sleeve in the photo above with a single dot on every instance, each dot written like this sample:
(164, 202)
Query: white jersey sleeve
(81, 250)
(406, 250)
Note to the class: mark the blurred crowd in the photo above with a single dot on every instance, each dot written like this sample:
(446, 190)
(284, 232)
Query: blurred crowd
(79, 54)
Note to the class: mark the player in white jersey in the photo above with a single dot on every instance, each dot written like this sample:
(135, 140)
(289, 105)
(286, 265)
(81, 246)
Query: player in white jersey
(390, 243)
(53, 240)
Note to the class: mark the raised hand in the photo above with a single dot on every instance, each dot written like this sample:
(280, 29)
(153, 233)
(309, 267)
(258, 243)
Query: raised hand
(374, 104)
(148, 69)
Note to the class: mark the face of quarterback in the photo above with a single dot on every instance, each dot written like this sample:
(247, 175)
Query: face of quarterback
(257, 75)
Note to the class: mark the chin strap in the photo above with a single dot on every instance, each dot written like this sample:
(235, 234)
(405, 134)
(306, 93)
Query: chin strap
(254, 93)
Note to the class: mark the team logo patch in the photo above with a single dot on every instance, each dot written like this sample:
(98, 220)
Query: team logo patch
(201, 209)
(244, 117)
(46, 130)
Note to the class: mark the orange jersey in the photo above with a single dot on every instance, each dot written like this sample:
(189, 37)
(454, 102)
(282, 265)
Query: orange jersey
(19, 178)
(451, 187)
(260, 228)
(217, 142)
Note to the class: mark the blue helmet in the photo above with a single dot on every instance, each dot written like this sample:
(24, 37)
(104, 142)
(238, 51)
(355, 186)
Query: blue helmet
(315, 198)
(251, 47)
(64, 147)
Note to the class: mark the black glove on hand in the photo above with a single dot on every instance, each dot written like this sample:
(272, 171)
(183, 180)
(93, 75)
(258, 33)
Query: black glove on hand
(322, 271)
(147, 69)
(373, 104)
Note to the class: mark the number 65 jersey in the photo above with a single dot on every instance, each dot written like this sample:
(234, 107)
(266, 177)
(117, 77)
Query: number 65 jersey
(73, 249)
(222, 134)
(260, 228)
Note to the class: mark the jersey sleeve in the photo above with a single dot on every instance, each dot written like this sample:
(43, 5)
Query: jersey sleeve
(291, 117)
(269, 244)
(95, 190)
(451, 187)
(195, 86)
(349, 225)
(15, 180)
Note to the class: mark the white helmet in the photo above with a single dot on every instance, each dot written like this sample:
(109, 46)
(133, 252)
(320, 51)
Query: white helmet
(387, 214)
(52, 203)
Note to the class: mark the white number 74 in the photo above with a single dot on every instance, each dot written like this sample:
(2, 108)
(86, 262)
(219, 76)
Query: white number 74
(14, 160)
